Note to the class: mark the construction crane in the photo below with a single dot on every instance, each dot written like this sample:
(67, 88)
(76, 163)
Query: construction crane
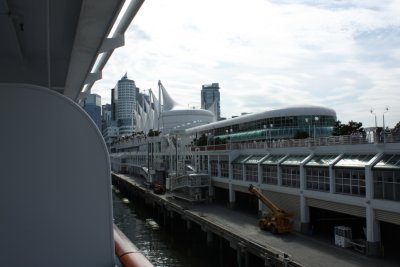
(277, 221)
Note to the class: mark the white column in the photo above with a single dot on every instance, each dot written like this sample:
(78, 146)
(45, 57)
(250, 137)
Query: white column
(369, 183)
(373, 229)
(208, 165)
(219, 167)
(232, 197)
(243, 172)
(332, 174)
(259, 173)
(373, 233)
(304, 210)
(279, 173)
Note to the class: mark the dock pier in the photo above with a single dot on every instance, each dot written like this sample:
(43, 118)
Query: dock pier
(238, 234)
(166, 206)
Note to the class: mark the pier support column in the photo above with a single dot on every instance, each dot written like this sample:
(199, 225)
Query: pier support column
(239, 258)
(304, 215)
(232, 197)
(269, 260)
(188, 224)
(211, 193)
(209, 238)
(242, 256)
(373, 233)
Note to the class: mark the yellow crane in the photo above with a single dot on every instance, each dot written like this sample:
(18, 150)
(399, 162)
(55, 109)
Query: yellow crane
(277, 221)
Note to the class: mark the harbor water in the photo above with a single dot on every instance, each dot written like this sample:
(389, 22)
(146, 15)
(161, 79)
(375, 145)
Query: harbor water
(171, 244)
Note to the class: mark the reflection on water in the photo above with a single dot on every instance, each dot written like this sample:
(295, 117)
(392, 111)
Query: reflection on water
(152, 242)
(169, 244)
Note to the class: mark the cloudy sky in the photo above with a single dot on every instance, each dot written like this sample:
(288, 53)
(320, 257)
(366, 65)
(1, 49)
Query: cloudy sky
(267, 54)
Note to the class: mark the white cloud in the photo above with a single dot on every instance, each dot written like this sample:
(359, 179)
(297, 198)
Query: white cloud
(267, 54)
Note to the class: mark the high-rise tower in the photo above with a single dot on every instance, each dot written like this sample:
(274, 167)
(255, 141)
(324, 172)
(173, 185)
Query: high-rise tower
(210, 99)
(92, 106)
(125, 102)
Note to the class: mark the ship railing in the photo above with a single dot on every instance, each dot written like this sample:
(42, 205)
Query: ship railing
(128, 254)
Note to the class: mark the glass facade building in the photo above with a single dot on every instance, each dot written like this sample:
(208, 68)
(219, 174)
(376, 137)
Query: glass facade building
(125, 99)
(311, 121)
(210, 95)
(92, 106)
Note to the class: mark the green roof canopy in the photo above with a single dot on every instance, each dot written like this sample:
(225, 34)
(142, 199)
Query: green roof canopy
(321, 161)
(294, 160)
(241, 159)
(353, 161)
(254, 159)
(273, 160)
(389, 161)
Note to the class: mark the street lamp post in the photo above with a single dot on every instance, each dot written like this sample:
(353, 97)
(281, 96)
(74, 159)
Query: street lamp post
(270, 132)
(373, 113)
(316, 119)
(376, 138)
(309, 127)
(383, 121)
(265, 128)
(229, 133)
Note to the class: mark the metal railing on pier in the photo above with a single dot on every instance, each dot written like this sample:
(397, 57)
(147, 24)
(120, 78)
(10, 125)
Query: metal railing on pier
(307, 142)
(190, 180)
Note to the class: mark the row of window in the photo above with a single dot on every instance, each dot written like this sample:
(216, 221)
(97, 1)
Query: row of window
(304, 122)
(347, 181)
(387, 185)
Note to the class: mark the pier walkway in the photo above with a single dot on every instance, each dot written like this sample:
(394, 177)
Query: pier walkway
(242, 230)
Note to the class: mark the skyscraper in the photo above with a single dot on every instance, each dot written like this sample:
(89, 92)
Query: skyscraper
(106, 116)
(125, 103)
(210, 99)
(92, 106)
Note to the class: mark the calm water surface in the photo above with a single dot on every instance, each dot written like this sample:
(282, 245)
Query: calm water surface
(160, 246)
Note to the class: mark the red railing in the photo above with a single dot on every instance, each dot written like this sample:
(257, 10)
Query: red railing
(128, 254)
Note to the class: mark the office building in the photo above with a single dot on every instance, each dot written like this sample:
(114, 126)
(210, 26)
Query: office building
(210, 99)
(92, 106)
(125, 104)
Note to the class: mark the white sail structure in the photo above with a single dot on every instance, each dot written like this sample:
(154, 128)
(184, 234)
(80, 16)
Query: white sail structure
(148, 123)
(156, 110)
(168, 102)
(177, 117)
(172, 116)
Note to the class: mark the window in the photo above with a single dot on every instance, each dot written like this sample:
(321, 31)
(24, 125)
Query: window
(291, 176)
(237, 171)
(204, 164)
(350, 182)
(317, 179)
(269, 174)
(387, 185)
(251, 172)
(214, 168)
(224, 169)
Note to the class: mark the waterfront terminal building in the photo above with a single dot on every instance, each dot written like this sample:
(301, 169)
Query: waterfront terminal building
(324, 180)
